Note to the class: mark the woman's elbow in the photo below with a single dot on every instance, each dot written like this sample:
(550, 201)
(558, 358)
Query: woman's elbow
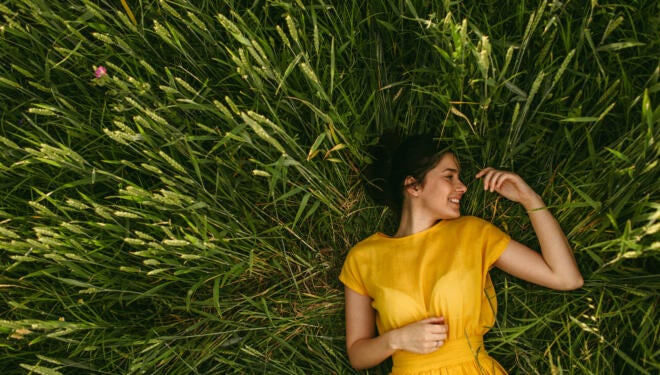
(579, 282)
(357, 360)
(356, 365)
(571, 284)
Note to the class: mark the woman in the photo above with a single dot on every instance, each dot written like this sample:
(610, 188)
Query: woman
(427, 288)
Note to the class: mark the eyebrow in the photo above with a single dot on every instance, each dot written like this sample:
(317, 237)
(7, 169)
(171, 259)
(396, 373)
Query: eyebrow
(451, 170)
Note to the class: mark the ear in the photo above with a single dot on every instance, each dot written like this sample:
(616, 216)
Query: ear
(411, 186)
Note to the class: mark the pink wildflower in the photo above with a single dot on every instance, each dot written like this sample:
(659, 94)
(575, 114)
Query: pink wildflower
(100, 71)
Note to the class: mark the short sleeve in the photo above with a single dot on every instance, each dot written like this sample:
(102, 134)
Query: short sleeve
(496, 242)
(351, 274)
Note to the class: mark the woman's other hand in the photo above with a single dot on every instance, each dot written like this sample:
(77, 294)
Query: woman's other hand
(422, 337)
(366, 349)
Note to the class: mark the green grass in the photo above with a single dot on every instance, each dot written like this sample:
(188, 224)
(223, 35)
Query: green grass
(189, 212)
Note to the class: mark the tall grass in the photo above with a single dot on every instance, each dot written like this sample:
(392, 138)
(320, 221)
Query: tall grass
(189, 211)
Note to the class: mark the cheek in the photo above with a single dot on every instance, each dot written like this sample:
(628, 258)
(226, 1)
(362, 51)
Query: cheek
(441, 192)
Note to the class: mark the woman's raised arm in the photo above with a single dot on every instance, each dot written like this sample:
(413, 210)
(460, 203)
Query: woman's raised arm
(555, 267)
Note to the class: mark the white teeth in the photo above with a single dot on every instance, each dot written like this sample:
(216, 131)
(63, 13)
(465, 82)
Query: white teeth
(454, 200)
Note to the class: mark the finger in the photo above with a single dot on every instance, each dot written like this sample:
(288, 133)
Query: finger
(485, 175)
(434, 320)
(483, 172)
(437, 344)
(437, 332)
(438, 328)
(491, 179)
(498, 179)
(510, 177)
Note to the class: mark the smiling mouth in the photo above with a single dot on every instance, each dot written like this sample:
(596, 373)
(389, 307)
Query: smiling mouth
(455, 200)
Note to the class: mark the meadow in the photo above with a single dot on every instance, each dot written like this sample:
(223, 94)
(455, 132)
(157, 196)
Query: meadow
(180, 181)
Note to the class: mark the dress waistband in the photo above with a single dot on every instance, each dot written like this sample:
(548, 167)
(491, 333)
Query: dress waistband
(452, 352)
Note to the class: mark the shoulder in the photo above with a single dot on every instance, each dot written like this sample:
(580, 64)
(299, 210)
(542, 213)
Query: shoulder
(468, 222)
(365, 247)
(357, 263)
(474, 227)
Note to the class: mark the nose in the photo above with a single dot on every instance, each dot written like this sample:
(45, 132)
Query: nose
(460, 187)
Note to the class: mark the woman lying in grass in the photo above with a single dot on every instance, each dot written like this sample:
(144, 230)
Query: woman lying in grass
(427, 288)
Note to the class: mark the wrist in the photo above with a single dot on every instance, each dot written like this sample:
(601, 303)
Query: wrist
(392, 340)
(533, 203)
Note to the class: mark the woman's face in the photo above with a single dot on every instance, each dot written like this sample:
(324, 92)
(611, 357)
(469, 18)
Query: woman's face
(442, 190)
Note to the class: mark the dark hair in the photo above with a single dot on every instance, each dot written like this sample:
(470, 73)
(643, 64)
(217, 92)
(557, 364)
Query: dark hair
(394, 160)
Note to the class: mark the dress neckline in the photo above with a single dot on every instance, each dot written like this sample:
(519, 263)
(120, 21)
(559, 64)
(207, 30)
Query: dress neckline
(420, 233)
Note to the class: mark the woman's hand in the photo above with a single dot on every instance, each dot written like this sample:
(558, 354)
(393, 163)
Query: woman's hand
(422, 337)
(366, 349)
(510, 186)
(555, 267)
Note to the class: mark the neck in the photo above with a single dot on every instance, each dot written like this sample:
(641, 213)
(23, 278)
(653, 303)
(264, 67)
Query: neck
(413, 221)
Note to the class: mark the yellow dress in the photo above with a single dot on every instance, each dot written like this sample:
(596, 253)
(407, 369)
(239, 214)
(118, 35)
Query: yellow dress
(441, 271)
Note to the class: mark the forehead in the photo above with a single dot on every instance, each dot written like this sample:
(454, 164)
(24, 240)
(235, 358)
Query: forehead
(448, 162)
